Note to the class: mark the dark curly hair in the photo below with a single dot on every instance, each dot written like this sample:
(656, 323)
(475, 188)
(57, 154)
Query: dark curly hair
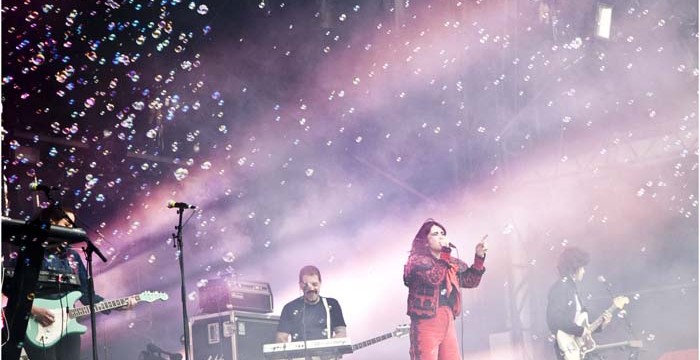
(571, 259)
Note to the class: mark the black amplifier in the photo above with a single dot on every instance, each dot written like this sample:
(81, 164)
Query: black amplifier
(231, 335)
(220, 295)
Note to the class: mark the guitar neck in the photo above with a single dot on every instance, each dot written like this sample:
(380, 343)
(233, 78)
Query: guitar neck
(101, 306)
(599, 321)
(372, 341)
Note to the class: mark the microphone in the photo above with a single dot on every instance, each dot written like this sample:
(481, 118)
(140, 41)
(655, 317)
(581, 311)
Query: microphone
(452, 245)
(180, 205)
(35, 186)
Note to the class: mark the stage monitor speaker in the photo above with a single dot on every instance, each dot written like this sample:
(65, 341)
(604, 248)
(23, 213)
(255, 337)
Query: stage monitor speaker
(231, 335)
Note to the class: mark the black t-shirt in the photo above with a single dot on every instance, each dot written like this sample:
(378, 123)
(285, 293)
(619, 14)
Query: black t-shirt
(297, 315)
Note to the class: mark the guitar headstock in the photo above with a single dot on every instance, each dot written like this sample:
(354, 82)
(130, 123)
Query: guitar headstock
(621, 301)
(401, 330)
(637, 344)
(151, 296)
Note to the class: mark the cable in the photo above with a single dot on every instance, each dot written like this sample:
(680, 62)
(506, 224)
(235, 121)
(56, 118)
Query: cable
(60, 302)
(303, 326)
(461, 319)
(2, 282)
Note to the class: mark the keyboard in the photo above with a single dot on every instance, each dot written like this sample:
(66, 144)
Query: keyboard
(299, 349)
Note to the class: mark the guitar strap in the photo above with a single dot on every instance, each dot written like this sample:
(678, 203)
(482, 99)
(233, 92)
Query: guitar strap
(328, 317)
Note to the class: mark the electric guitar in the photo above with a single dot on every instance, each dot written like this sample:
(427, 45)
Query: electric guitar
(65, 318)
(575, 347)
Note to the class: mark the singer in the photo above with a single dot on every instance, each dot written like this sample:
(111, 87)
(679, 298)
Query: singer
(310, 316)
(434, 279)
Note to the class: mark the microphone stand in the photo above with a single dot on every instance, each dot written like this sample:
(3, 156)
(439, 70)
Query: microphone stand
(630, 330)
(178, 245)
(89, 249)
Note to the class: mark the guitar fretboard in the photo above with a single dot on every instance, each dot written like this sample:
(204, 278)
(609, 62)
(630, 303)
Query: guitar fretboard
(599, 320)
(372, 341)
(101, 306)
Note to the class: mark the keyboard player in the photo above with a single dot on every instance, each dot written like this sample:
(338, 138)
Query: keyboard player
(311, 316)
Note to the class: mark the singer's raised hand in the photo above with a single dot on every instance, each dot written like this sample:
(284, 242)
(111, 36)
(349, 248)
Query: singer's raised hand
(482, 247)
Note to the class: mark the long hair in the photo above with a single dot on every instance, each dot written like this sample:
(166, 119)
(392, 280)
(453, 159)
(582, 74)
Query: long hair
(420, 241)
(571, 259)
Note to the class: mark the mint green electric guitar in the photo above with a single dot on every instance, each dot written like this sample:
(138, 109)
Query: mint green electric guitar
(66, 319)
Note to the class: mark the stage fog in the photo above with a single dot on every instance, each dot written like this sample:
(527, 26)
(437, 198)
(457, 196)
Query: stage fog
(325, 132)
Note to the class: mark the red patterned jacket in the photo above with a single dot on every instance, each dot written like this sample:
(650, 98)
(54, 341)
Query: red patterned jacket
(424, 274)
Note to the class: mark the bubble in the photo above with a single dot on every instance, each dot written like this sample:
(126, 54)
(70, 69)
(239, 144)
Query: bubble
(508, 229)
(181, 174)
(309, 172)
(151, 259)
(38, 59)
(138, 105)
(202, 283)
(206, 165)
(229, 257)
(202, 9)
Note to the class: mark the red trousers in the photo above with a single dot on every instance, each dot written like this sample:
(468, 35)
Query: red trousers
(435, 338)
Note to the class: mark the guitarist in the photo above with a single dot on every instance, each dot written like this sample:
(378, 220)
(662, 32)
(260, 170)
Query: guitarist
(564, 303)
(60, 260)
